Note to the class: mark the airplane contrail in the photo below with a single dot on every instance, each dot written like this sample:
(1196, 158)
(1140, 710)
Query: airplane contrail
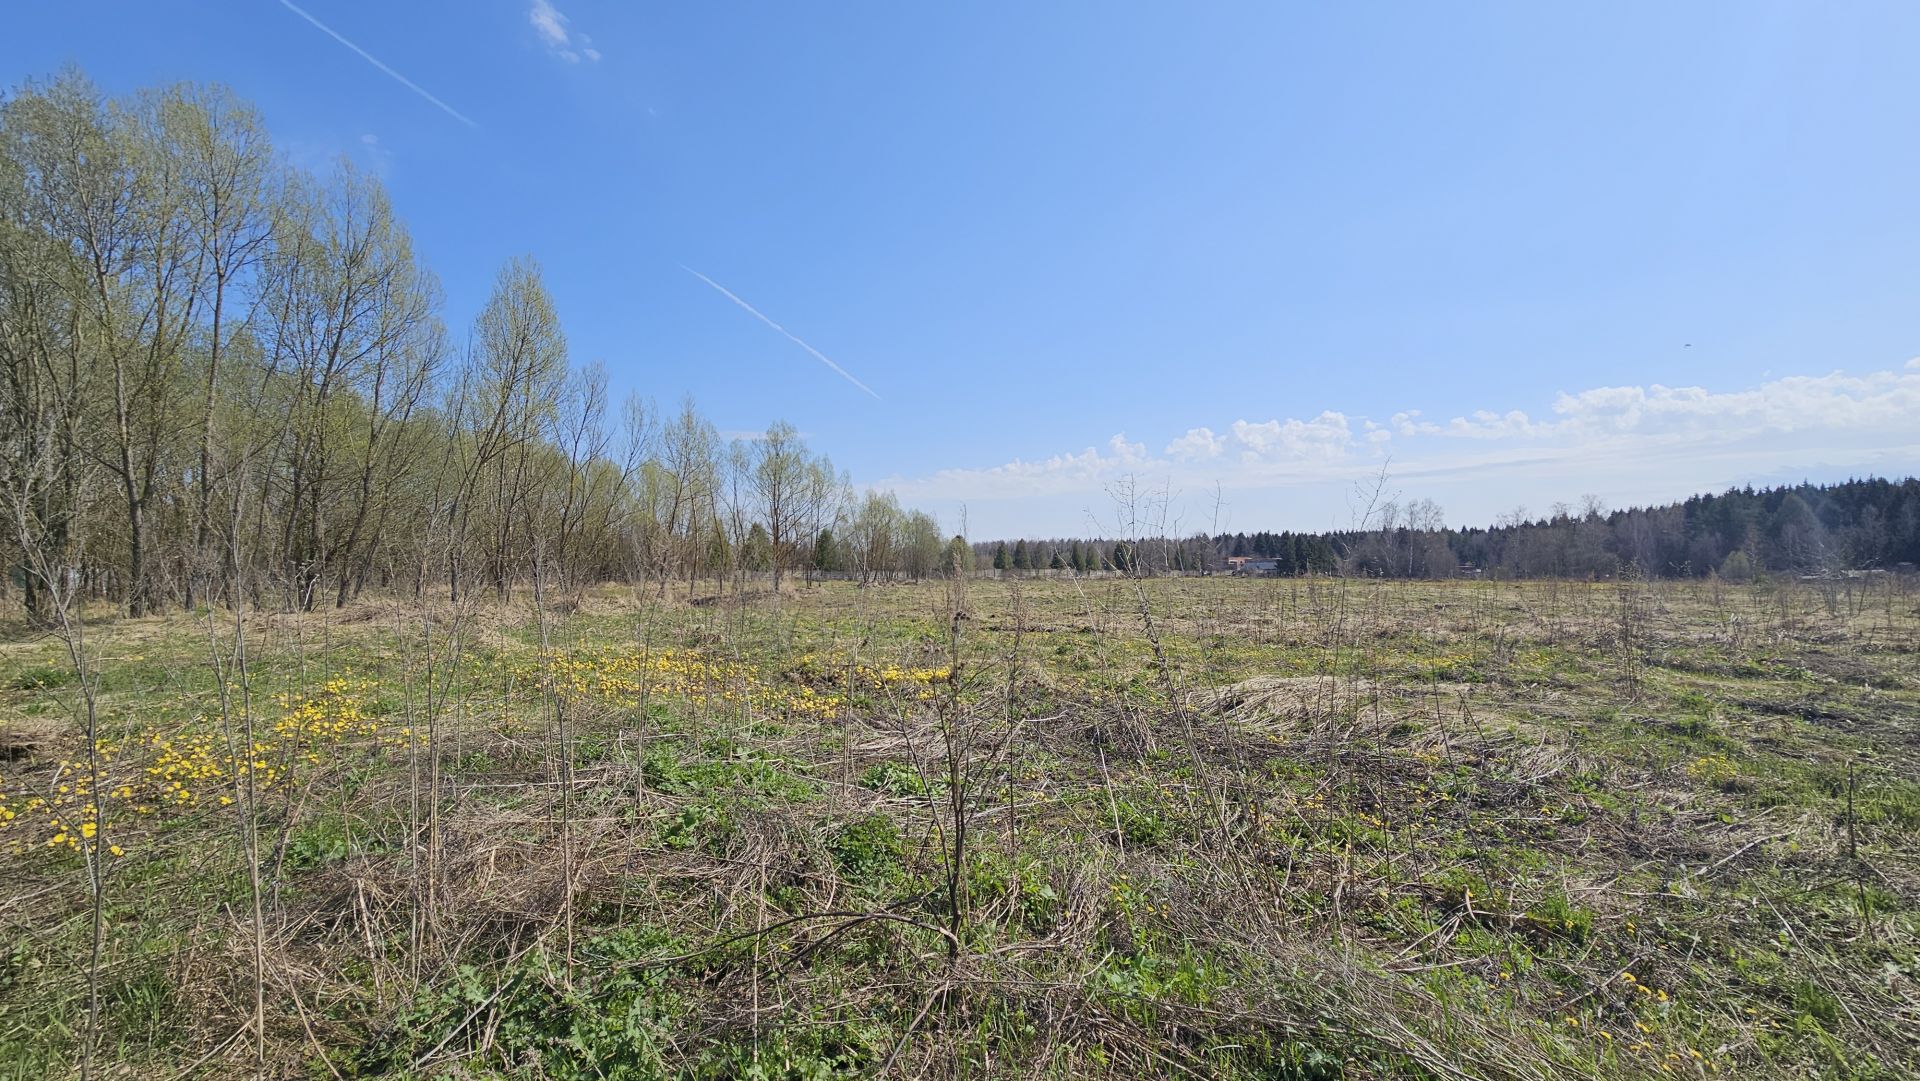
(791, 336)
(371, 59)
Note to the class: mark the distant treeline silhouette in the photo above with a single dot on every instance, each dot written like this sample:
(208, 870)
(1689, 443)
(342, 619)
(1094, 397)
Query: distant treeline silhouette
(1863, 524)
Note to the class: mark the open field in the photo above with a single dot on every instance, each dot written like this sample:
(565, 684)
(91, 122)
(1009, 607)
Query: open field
(1297, 829)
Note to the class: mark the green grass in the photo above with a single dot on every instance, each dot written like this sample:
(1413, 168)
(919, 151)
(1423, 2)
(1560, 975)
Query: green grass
(1308, 829)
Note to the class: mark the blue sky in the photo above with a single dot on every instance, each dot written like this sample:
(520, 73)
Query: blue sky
(1527, 251)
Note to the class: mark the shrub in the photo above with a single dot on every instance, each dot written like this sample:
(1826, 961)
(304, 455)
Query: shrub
(1737, 567)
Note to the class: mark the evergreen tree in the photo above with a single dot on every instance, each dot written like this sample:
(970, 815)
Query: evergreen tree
(757, 552)
(1001, 561)
(1322, 560)
(1022, 559)
(1056, 563)
(826, 554)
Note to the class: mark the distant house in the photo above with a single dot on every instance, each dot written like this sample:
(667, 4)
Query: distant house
(1254, 568)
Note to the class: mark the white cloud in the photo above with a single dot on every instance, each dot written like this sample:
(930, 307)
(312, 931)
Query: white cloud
(1483, 424)
(1629, 443)
(1127, 452)
(1089, 469)
(1792, 404)
(547, 20)
(1247, 449)
(1197, 445)
(550, 24)
(1326, 438)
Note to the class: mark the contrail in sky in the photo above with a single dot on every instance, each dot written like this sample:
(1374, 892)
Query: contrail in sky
(371, 59)
(791, 336)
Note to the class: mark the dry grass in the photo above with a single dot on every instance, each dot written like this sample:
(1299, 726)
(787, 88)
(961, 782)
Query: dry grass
(1303, 830)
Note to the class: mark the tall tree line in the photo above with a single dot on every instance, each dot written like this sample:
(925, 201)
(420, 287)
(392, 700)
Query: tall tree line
(1862, 524)
(1136, 556)
(221, 373)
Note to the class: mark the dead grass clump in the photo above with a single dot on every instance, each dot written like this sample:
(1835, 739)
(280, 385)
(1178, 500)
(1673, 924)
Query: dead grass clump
(23, 739)
(1298, 703)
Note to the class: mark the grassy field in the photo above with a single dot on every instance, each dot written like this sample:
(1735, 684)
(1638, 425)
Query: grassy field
(1175, 827)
